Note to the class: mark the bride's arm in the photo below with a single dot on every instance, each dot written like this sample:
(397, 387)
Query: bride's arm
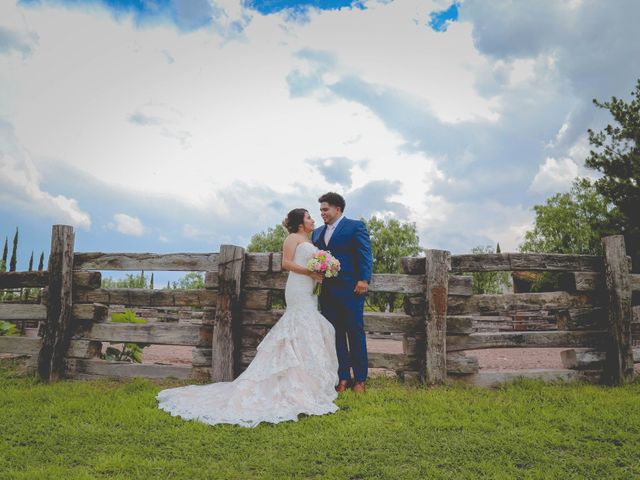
(288, 250)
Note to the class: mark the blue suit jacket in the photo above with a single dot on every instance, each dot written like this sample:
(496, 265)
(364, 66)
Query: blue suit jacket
(351, 245)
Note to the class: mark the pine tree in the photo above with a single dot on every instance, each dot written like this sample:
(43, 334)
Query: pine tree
(31, 262)
(41, 262)
(14, 254)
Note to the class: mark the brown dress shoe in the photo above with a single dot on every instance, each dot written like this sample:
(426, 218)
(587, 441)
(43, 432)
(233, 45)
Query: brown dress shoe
(359, 387)
(342, 386)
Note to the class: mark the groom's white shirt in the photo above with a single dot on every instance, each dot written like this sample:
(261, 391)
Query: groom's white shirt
(330, 229)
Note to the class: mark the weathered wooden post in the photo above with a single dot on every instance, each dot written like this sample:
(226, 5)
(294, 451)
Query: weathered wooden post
(57, 329)
(619, 356)
(437, 292)
(226, 327)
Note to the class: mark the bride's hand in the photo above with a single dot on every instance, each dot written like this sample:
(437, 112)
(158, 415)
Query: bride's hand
(318, 277)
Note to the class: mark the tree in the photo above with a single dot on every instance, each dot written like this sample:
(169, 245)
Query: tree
(488, 282)
(5, 251)
(570, 223)
(191, 280)
(14, 253)
(270, 240)
(129, 281)
(390, 240)
(151, 282)
(31, 262)
(41, 262)
(616, 155)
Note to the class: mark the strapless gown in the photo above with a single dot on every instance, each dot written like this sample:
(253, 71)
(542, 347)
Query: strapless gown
(294, 371)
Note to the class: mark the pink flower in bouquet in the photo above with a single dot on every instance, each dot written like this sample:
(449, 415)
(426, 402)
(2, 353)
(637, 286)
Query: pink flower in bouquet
(326, 264)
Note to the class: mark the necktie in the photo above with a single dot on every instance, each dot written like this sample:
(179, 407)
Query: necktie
(327, 234)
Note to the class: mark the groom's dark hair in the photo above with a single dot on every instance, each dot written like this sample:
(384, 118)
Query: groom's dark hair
(334, 199)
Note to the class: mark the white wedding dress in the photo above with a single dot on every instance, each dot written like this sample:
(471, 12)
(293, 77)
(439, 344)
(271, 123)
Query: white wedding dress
(294, 371)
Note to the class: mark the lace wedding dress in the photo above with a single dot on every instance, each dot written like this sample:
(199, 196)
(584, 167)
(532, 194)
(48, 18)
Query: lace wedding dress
(294, 371)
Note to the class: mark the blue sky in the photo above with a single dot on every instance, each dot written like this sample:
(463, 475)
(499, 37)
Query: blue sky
(174, 125)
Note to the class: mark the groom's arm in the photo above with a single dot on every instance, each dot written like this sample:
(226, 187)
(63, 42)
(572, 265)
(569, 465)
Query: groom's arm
(365, 258)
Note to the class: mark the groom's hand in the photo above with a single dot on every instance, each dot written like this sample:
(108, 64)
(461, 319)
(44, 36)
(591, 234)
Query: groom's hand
(362, 287)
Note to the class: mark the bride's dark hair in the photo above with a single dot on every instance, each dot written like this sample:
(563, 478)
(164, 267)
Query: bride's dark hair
(294, 219)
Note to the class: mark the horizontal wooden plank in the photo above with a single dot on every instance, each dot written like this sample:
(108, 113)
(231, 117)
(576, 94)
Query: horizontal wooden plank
(492, 262)
(85, 368)
(457, 363)
(380, 322)
(265, 280)
(18, 311)
(494, 378)
(144, 297)
(396, 283)
(95, 312)
(586, 281)
(391, 361)
(589, 359)
(82, 280)
(257, 262)
(201, 357)
(24, 279)
(413, 265)
(257, 299)
(263, 262)
(83, 349)
(20, 345)
(526, 339)
(520, 302)
(582, 319)
(192, 262)
(459, 325)
(461, 285)
(154, 333)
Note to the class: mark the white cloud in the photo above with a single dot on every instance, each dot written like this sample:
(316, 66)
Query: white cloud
(127, 225)
(555, 175)
(20, 185)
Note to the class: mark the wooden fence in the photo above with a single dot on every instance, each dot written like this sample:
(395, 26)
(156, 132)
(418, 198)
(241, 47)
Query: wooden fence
(439, 323)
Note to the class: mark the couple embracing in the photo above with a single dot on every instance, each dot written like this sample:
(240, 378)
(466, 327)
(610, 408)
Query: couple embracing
(309, 356)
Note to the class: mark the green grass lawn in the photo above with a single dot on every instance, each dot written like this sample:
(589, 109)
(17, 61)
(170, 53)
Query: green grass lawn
(109, 429)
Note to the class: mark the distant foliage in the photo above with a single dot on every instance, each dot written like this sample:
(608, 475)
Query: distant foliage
(616, 155)
(8, 329)
(14, 254)
(270, 240)
(191, 280)
(129, 281)
(489, 282)
(390, 240)
(570, 223)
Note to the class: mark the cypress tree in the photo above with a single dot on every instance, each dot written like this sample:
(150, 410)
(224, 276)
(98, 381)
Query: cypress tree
(498, 248)
(151, 282)
(31, 262)
(5, 251)
(14, 254)
(41, 262)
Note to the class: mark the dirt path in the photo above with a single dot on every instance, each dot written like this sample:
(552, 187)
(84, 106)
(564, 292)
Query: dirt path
(499, 359)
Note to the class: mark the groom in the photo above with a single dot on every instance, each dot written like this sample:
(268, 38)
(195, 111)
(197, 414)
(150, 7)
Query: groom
(342, 297)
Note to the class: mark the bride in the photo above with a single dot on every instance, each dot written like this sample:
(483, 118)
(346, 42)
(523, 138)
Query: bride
(295, 368)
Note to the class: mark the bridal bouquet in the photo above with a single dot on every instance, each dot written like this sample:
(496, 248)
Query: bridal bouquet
(324, 263)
